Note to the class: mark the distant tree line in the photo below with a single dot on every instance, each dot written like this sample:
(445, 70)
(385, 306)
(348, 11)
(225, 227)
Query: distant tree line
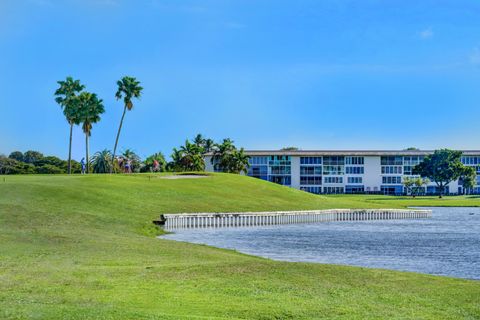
(35, 162)
(187, 158)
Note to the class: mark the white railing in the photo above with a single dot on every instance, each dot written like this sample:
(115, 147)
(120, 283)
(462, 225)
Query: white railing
(246, 219)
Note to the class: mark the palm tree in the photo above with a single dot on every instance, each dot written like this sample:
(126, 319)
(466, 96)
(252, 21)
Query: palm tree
(128, 88)
(206, 144)
(101, 161)
(66, 95)
(191, 157)
(90, 110)
(221, 154)
(176, 163)
(238, 161)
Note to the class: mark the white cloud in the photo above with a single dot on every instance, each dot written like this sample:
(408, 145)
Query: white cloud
(426, 33)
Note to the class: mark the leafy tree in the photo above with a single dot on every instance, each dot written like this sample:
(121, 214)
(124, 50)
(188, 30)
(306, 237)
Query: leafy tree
(52, 160)
(16, 155)
(290, 149)
(411, 149)
(76, 166)
(48, 169)
(441, 167)
(149, 161)
(415, 185)
(468, 178)
(101, 161)
(90, 108)
(65, 97)
(12, 166)
(32, 156)
(128, 88)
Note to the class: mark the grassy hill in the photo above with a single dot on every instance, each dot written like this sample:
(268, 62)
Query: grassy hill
(83, 247)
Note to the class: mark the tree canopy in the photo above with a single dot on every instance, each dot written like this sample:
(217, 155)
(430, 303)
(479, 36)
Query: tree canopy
(441, 167)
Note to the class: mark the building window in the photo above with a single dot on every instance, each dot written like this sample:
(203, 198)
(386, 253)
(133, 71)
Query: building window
(333, 170)
(391, 161)
(412, 160)
(354, 189)
(310, 170)
(310, 180)
(391, 180)
(260, 172)
(334, 161)
(333, 179)
(470, 160)
(392, 169)
(258, 160)
(354, 160)
(354, 170)
(392, 190)
(310, 160)
(355, 180)
(333, 189)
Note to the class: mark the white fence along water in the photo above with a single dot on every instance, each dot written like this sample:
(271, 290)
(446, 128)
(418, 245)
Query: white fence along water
(246, 219)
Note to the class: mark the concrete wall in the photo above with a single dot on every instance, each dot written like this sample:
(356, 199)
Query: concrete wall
(372, 178)
(295, 163)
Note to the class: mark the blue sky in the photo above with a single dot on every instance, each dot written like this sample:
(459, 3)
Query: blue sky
(313, 74)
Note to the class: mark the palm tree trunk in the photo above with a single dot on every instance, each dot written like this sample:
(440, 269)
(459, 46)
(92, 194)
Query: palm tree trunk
(70, 150)
(118, 136)
(86, 151)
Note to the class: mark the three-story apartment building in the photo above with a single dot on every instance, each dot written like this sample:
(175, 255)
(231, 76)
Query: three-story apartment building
(356, 171)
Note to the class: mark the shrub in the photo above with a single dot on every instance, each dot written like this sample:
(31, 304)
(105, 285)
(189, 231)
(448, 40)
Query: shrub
(49, 169)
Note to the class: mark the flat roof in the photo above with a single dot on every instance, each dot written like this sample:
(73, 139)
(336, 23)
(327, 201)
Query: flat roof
(349, 152)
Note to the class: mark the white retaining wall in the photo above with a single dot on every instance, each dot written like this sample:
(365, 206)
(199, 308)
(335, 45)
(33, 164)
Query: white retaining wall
(245, 219)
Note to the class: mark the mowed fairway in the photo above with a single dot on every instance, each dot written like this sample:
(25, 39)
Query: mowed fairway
(84, 247)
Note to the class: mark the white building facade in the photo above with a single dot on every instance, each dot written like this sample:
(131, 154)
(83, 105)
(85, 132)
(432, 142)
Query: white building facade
(378, 172)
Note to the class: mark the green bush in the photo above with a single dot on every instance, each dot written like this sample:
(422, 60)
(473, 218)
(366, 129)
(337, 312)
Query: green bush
(12, 166)
(50, 169)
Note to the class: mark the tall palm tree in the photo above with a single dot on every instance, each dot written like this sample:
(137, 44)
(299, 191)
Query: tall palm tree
(90, 110)
(128, 88)
(65, 97)
(101, 161)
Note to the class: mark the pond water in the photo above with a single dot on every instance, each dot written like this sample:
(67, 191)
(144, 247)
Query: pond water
(447, 244)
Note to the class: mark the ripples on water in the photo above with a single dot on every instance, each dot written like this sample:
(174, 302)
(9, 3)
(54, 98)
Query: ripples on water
(447, 244)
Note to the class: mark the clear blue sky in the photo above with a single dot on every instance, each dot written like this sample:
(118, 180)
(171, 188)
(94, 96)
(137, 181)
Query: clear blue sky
(313, 74)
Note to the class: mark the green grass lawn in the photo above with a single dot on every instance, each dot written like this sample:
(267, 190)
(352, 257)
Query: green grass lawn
(83, 247)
